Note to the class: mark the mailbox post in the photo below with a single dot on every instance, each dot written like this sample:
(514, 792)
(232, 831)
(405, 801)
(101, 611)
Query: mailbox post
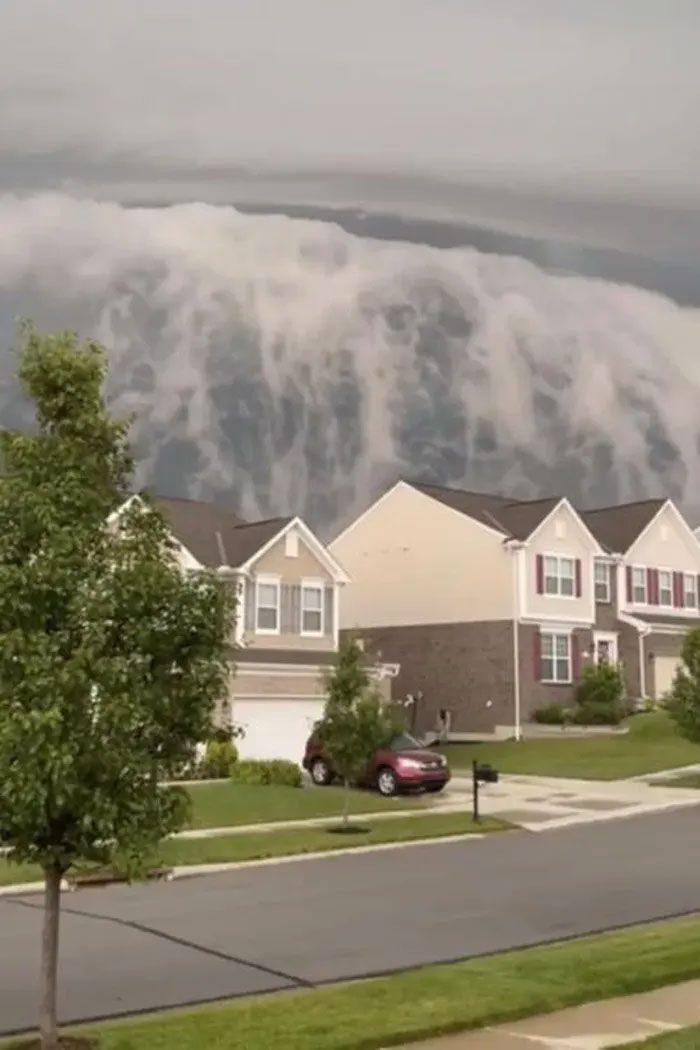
(482, 773)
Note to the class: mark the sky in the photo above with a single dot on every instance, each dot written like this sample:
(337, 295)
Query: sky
(501, 110)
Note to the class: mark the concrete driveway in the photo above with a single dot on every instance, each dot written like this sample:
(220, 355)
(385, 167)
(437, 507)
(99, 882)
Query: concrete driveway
(127, 949)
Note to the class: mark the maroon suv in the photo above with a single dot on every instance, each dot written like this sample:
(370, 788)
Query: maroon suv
(405, 765)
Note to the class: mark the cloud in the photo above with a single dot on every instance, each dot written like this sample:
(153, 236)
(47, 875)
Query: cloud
(550, 94)
(290, 366)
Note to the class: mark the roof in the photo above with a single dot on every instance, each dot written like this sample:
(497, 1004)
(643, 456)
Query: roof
(514, 518)
(616, 528)
(215, 535)
(654, 619)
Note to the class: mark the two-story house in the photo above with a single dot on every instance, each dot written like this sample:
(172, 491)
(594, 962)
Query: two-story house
(286, 633)
(487, 603)
(647, 589)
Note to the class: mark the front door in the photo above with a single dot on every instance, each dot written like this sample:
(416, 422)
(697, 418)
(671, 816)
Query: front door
(605, 647)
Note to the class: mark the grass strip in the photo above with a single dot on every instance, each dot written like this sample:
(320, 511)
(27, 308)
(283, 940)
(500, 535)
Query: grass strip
(285, 842)
(430, 1002)
(686, 1039)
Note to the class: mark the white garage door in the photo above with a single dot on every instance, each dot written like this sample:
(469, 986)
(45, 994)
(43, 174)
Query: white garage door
(664, 673)
(275, 728)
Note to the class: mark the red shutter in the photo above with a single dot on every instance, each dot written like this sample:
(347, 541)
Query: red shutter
(537, 656)
(629, 583)
(678, 596)
(578, 577)
(575, 659)
(540, 574)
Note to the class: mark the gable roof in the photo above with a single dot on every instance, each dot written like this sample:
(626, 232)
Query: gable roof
(241, 543)
(616, 528)
(515, 519)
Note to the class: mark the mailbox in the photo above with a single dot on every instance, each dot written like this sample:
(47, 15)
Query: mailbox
(482, 773)
(486, 774)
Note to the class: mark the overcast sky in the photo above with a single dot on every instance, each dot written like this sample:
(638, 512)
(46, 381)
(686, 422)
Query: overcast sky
(552, 97)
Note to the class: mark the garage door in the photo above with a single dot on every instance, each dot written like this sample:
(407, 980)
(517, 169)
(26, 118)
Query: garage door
(664, 673)
(275, 728)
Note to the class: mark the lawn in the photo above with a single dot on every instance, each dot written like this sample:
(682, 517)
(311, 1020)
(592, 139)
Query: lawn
(285, 842)
(652, 744)
(690, 780)
(227, 804)
(686, 1039)
(368, 1015)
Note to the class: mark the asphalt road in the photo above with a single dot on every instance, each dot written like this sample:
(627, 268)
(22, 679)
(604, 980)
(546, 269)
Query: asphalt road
(127, 949)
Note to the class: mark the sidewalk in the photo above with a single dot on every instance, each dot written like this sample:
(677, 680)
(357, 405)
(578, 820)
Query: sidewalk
(595, 1026)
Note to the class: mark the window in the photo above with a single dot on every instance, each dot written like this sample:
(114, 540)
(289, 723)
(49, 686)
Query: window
(665, 588)
(555, 656)
(639, 586)
(267, 607)
(602, 581)
(559, 577)
(311, 608)
(690, 591)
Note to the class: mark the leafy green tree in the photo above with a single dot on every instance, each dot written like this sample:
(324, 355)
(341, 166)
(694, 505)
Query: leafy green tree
(355, 722)
(111, 657)
(683, 700)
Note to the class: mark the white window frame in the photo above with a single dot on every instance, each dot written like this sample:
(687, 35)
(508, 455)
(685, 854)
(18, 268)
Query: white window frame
(602, 583)
(645, 577)
(558, 558)
(554, 659)
(267, 581)
(313, 585)
(669, 573)
(690, 576)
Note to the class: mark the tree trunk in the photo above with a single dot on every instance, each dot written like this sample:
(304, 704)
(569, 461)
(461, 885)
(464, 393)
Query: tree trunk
(346, 802)
(48, 1027)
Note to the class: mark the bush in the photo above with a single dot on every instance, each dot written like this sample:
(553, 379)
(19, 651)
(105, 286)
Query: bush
(219, 760)
(600, 696)
(264, 772)
(551, 715)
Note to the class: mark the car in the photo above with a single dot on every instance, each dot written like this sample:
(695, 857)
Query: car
(404, 766)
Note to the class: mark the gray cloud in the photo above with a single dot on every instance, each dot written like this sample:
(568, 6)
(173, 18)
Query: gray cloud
(550, 95)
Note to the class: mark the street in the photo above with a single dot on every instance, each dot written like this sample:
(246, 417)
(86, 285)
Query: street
(129, 949)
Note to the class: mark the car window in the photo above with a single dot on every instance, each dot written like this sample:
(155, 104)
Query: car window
(405, 742)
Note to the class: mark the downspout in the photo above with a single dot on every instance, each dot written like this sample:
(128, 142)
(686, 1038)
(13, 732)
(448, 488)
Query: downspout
(514, 547)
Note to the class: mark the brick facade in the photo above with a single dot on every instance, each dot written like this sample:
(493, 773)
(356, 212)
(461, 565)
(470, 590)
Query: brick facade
(533, 693)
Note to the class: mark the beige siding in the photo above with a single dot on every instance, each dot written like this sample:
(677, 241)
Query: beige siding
(278, 684)
(290, 570)
(666, 545)
(411, 560)
(562, 534)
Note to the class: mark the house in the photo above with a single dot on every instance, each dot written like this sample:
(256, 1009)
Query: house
(647, 587)
(492, 606)
(286, 633)
(487, 603)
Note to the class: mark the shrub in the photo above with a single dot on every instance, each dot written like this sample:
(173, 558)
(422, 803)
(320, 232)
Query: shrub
(219, 760)
(264, 772)
(600, 696)
(551, 715)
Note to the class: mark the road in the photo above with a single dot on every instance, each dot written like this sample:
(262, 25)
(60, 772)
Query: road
(128, 949)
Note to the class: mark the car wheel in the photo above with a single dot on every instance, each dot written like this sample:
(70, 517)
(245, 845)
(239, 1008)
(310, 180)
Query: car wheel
(386, 782)
(321, 772)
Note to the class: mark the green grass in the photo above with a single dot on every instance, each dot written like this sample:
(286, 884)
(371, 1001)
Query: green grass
(433, 1001)
(231, 805)
(690, 780)
(686, 1039)
(257, 845)
(652, 744)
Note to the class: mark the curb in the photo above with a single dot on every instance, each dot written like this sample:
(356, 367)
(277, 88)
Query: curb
(642, 810)
(191, 871)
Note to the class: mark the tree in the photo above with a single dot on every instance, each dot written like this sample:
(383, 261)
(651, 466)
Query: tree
(683, 701)
(356, 723)
(111, 658)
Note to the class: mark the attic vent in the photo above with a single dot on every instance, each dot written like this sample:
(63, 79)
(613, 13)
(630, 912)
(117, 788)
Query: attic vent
(664, 532)
(291, 545)
(560, 528)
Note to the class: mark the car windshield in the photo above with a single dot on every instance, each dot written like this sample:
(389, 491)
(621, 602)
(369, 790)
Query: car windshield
(405, 742)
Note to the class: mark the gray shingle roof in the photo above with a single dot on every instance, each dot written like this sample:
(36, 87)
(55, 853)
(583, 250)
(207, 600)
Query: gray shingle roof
(514, 518)
(616, 528)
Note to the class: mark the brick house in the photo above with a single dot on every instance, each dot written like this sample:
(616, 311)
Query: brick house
(492, 606)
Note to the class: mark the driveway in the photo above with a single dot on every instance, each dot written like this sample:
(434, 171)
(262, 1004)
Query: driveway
(127, 949)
